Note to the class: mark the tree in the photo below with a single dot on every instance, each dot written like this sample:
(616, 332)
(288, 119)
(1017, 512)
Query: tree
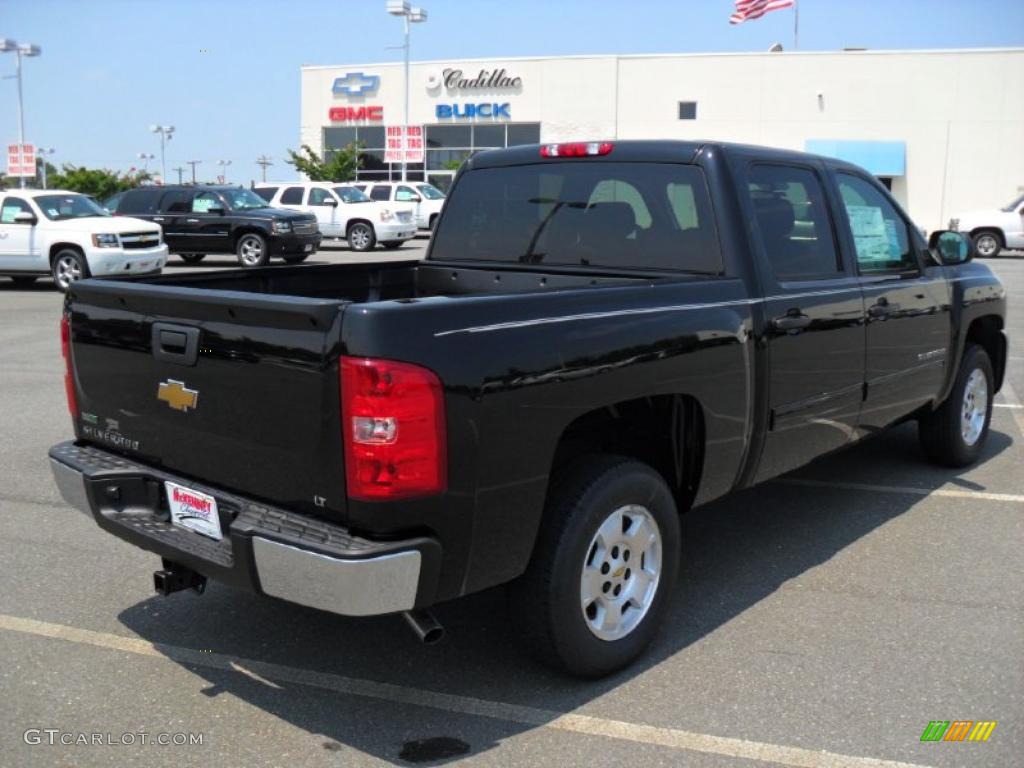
(101, 183)
(341, 167)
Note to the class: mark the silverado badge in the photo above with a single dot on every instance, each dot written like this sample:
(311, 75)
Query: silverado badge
(177, 395)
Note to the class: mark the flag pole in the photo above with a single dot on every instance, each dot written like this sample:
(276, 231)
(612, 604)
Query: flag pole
(796, 25)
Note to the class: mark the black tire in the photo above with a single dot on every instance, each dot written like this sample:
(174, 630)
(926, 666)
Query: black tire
(391, 244)
(68, 265)
(23, 281)
(361, 237)
(295, 258)
(547, 601)
(988, 243)
(942, 432)
(251, 249)
(192, 258)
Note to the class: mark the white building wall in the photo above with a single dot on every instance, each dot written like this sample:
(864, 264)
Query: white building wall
(959, 113)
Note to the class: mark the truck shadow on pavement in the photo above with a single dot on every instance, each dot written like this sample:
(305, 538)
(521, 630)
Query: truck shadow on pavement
(736, 552)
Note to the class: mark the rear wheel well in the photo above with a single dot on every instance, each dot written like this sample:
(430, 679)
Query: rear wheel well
(986, 332)
(991, 230)
(666, 432)
(58, 247)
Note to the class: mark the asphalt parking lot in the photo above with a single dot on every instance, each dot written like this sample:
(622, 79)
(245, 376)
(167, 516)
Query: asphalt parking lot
(822, 620)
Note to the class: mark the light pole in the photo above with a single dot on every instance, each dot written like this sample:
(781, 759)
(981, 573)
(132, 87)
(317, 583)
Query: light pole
(24, 49)
(414, 16)
(166, 132)
(224, 168)
(263, 161)
(145, 158)
(193, 163)
(43, 152)
(180, 171)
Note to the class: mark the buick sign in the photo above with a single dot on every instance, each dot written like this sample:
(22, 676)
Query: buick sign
(448, 111)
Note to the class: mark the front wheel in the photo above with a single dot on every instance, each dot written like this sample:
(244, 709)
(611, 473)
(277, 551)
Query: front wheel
(988, 244)
(252, 250)
(603, 568)
(192, 258)
(69, 265)
(954, 434)
(361, 237)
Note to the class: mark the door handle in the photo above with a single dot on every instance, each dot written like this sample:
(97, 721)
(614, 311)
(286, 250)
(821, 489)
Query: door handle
(191, 221)
(175, 343)
(882, 309)
(158, 218)
(793, 320)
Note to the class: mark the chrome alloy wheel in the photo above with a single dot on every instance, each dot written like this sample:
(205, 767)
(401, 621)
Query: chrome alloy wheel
(986, 245)
(975, 407)
(620, 573)
(251, 250)
(68, 269)
(359, 237)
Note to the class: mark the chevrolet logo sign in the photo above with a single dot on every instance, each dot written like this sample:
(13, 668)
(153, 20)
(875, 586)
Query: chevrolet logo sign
(177, 395)
(356, 84)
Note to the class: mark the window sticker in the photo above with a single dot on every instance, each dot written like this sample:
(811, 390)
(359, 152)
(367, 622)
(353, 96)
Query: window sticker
(8, 214)
(871, 234)
(52, 212)
(203, 204)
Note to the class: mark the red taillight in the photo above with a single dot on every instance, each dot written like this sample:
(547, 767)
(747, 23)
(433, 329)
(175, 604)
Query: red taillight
(394, 430)
(576, 149)
(69, 377)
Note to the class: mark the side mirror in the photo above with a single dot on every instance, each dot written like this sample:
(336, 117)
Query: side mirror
(216, 209)
(24, 217)
(949, 247)
(331, 202)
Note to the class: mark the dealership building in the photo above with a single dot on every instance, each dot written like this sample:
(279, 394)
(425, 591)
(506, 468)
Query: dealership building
(943, 129)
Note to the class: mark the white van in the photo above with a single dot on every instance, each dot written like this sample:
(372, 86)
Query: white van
(426, 199)
(343, 211)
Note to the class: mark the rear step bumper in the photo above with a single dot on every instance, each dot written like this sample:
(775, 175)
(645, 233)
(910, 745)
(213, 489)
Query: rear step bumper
(265, 549)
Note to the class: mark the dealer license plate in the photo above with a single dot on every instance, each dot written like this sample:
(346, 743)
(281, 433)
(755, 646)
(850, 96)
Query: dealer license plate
(193, 510)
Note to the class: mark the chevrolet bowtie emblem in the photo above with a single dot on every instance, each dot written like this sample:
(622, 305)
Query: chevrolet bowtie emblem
(177, 395)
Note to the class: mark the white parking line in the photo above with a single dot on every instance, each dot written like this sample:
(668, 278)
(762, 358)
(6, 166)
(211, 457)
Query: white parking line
(953, 493)
(1007, 405)
(798, 757)
(1010, 396)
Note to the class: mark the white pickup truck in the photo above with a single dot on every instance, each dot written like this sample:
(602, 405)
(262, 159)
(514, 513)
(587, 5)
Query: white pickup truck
(992, 231)
(67, 235)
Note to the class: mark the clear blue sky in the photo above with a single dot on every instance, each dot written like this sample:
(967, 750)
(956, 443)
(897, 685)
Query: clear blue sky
(110, 68)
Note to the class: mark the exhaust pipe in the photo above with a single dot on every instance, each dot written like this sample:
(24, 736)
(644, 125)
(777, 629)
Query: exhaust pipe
(174, 578)
(427, 628)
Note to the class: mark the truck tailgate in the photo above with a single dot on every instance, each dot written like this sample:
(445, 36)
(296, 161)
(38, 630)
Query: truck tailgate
(233, 388)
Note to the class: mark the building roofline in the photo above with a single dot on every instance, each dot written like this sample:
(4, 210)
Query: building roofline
(614, 56)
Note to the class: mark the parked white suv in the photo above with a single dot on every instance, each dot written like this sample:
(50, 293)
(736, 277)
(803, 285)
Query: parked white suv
(992, 231)
(343, 211)
(426, 198)
(68, 236)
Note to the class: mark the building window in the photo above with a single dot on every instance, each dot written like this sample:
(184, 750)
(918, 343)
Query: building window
(687, 110)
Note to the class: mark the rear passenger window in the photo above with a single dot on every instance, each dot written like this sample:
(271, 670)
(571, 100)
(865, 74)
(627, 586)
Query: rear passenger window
(318, 196)
(176, 201)
(380, 192)
(792, 221)
(643, 216)
(292, 196)
(879, 233)
(267, 193)
(138, 201)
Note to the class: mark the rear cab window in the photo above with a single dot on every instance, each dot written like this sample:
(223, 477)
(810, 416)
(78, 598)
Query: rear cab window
(292, 196)
(633, 216)
(267, 193)
(380, 192)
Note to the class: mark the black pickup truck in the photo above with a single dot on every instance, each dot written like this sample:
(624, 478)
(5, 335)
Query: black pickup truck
(601, 336)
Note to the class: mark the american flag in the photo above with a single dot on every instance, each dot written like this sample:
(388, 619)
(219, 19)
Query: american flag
(755, 9)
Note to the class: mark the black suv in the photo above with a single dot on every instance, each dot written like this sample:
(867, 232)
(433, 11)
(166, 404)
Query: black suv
(203, 219)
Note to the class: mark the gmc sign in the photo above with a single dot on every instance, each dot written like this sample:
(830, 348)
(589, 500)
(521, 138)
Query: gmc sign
(347, 114)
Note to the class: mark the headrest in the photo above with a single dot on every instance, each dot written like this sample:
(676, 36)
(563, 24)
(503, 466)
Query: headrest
(775, 216)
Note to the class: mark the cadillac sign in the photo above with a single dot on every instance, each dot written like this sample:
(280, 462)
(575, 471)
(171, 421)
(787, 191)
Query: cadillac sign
(456, 80)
